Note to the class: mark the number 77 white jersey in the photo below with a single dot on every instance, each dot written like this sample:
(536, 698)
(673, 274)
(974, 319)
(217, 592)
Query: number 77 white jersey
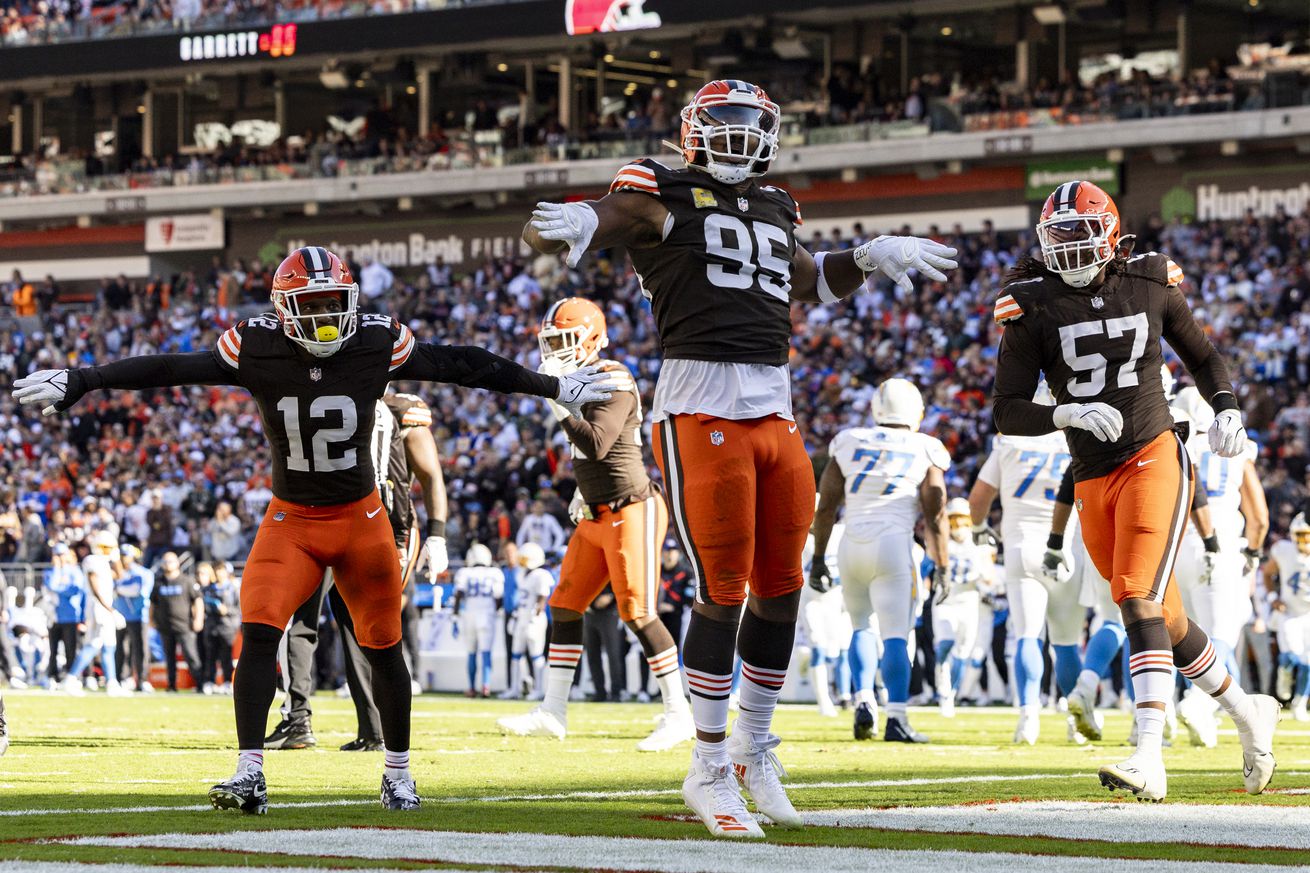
(883, 468)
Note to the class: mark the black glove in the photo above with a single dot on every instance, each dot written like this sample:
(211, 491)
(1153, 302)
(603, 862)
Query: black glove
(985, 535)
(820, 578)
(941, 586)
(1252, 557)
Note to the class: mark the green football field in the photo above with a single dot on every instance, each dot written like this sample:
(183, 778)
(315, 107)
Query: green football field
(121, 783)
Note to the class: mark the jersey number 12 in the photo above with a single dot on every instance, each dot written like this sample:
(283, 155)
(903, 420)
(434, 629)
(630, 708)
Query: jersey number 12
(323, 438)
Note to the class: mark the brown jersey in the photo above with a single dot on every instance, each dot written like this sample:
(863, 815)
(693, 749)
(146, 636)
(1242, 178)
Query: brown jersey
(720, 282)
(606, 444)
(1101, 344)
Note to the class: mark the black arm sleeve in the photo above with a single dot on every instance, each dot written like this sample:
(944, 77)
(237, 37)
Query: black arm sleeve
(1065, 493)
(1198, 354)
(1018, 370)
(157, 371)
(473, 367)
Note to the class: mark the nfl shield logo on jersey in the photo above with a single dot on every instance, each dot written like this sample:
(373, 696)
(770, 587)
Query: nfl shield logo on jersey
(743, 204)
(315, 374)
(1098, 303)
(716, 437)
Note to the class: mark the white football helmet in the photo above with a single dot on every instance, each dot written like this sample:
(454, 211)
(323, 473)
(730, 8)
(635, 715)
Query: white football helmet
(897, 402)
(960, 518)
(1192, 405)
(531, 556)
(478, 555)
(1299, 531)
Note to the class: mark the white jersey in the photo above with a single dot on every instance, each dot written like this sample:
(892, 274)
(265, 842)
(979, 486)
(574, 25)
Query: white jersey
(970, 567)
(1026, 471)
(534, 584)
(1222, 480)
(481, 587)
(883, 468)
(1293, 577)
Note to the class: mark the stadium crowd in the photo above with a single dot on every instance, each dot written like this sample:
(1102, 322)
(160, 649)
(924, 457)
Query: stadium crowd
(186, 470)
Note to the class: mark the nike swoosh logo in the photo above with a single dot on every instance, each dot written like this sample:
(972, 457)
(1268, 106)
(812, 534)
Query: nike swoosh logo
(791, 428)
(1144, 463)
(373, 513)
(1247, 769)
(617, 523)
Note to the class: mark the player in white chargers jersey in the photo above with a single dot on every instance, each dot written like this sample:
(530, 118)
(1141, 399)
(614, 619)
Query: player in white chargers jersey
(1025, 473)
(528, 624)
(826, 623)
(886, 474)
(955, 619)
(1214, 571)
(1289, 563)
(479, 589)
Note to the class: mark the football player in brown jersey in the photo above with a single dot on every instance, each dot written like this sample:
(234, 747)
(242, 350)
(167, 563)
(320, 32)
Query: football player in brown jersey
(718, 257)
(1090, 316)
(316, 367)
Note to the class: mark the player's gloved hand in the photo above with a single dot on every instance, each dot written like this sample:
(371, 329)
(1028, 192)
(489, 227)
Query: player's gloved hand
(56, 390)
(1101, 420)
(571, 223)
(985, 535)
(1227, 435)
(435, 556)
(588, 385)
(941, 585)
(1208, 562)
(578, 511)
(1251, 559)
(820, 578)
(895, 256)
(1055, 567)
(552, 367)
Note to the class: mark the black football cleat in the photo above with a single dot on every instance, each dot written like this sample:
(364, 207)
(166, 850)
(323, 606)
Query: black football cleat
(399, 793)
(245, 791)
(865, 722)
(899, 731)
(359, 744)
(4, 735)
(291, 735)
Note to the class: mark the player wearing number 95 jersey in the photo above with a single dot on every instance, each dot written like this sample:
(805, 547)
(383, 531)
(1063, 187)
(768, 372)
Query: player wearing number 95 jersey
(717, 256)
(1091, 318)
(317, 367)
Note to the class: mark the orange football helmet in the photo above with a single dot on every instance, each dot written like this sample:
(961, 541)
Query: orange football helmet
(1079, 232)
(730, 130)
(306, 274)
(572, 333)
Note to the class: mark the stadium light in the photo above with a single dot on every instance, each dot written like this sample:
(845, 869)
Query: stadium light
(1051, 13)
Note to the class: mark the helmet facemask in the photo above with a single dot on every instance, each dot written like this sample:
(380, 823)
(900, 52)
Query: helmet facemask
(961, 528)
(1076, 246)
(307, 328)
(565, 348)
(731, 137)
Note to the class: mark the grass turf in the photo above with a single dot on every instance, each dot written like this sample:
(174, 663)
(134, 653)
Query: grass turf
(94, 759)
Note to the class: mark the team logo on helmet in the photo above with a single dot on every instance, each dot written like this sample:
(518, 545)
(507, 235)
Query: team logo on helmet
(730, 131)
(572, 334)
(316, 300)
(1079, 232)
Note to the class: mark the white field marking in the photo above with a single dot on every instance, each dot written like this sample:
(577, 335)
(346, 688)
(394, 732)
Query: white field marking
(1255, 825)
(193, 807)
(96, 867)
(626, 854)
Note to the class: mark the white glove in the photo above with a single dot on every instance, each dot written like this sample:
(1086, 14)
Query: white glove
(571, 223)
(588, 385)
(435, 556)
(1208, 562)
(895, 256)
(577, 508)
(552, 367)
(1227, 435)
(1055, 568)
(47, 387)
(1102, 420)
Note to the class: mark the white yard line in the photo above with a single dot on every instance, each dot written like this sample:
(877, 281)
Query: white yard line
(627, 854)
(1256, 825)
(90, 867)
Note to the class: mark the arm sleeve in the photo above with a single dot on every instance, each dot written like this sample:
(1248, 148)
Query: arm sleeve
(1198, 354)
(1065, 493)
(473, 367)
(159, 371)
(1200, 498)
(1018, 370)
(600, 426)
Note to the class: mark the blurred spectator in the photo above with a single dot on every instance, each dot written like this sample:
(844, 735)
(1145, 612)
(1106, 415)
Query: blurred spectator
(224, 533)
(159, 522)
(66, 584)
(178, 611)
(222, 621)
(135, 586)
(542, 529)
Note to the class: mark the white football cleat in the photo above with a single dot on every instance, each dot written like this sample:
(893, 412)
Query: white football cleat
(1075, 736)
(710, 790)
(1196, 713)
(1299, 709)
(671, 729)
(538, 723)
(1082, 707)
(1142, 774)
(1285, 678)
(758, 770)
(1258, 742)
(826, 708)
(73, 686)
(1028, 729)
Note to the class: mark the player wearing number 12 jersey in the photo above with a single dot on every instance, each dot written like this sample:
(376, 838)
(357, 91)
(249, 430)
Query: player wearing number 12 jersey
(718, 258)
(316, 367)
(1091, 318)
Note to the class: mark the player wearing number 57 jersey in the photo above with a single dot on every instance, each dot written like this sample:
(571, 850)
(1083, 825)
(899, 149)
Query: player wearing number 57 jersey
(316, 367)
(1091, 318)
(717, 256)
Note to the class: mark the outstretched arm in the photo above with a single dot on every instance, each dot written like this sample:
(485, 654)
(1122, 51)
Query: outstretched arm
(830, 276)
(621, 218)
(57, 390)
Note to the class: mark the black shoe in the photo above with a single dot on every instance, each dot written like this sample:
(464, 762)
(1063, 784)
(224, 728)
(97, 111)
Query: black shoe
(864, 722)
(899, 731)
(359, 744)
(4, 735)
(399, 793)
(245, 791)
(291, 735)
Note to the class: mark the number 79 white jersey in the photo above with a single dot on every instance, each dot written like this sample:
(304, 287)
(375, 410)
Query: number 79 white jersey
(883, 468)
(1026, 472)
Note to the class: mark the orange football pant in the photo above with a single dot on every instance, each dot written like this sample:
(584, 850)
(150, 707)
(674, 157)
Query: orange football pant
(742, 498)
(296, 544)
(1133, 522)
(622, 548)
